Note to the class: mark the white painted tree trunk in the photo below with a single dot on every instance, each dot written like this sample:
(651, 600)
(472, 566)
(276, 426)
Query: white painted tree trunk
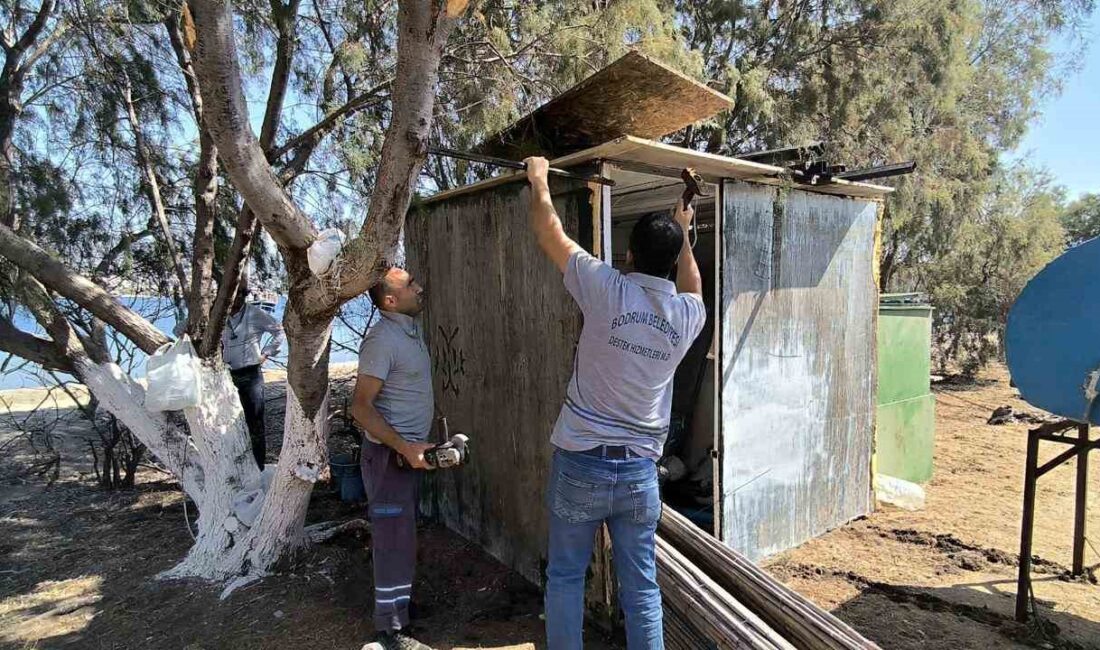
(248, 520)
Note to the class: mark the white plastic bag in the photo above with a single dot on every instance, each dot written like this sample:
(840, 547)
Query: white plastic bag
(324, 250)
(173, 375)
(898, 492)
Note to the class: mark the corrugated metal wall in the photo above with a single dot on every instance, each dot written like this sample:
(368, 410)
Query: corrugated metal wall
(502, 332)
(798, 305)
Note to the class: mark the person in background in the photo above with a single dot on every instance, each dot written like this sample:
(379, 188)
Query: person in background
(244, 352)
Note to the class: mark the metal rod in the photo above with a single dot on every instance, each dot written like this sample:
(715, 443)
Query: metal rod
(1065, 440)
(513, 164)
(1060, 458)
(882, 171)
(1079, 520)
(1027, 527)
(785, 154)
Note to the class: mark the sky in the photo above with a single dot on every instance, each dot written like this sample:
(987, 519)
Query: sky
(1065, 139)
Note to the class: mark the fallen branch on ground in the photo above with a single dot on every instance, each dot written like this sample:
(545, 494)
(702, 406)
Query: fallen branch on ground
(323, 532)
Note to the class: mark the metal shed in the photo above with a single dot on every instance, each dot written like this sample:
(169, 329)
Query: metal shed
(777, 395)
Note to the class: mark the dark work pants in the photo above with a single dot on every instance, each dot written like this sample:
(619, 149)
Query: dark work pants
(250, 385)
(391, 501)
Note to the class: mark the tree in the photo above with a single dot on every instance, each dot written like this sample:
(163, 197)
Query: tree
(246, 523)
(1082, 219)
(1012, 236)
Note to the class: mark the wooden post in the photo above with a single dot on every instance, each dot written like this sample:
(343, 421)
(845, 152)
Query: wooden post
(1079, 524)
(1023, 582)
(600, 598)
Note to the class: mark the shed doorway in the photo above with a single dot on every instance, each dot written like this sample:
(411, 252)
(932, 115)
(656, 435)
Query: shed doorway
(688, 467)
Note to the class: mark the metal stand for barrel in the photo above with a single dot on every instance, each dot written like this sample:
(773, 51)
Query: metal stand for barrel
(1079, 447)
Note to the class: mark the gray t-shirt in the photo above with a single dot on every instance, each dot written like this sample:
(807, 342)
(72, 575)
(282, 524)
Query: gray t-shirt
(636, 331)
(394, 351)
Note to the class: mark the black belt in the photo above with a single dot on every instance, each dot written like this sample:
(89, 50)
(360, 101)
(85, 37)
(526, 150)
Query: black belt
(611, 452)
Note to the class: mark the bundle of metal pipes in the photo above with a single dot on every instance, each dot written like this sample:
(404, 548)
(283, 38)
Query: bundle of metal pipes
(707, 609)
(716, 596)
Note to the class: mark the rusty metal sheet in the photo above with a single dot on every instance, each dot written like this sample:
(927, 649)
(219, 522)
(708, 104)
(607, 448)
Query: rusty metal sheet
(502, 331)
(798, 304)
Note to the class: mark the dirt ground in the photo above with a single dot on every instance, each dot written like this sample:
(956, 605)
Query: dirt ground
(78, 564)
(78, 567)
(945, 577)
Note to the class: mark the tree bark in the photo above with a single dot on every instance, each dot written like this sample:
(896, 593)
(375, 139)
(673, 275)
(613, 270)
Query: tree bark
(202, 263)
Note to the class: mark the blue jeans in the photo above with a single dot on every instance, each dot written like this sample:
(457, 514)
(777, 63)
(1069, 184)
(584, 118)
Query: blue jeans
(586, 491)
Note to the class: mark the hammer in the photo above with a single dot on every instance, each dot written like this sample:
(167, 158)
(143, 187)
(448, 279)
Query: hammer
(693, 185)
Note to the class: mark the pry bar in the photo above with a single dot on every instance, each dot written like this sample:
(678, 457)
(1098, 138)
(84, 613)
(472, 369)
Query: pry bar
(513, 164)
(882, 171)
(784, 155)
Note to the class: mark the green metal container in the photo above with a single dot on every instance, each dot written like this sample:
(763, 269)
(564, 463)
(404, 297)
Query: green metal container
(904, 434)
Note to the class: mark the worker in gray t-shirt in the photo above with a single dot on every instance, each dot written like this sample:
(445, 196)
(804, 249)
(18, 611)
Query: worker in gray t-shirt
(609, 434)
(393, 405)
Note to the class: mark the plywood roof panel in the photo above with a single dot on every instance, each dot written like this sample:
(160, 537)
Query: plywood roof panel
(635, 95)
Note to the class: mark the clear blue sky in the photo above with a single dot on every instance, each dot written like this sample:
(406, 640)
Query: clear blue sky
(1066, 138)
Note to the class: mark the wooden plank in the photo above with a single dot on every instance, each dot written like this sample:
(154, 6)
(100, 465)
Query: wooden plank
(635, 95)
(798, 341)
(670, 160)
(600, 598)
(502, 332)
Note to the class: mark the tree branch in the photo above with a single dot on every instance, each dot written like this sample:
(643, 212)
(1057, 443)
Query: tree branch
(315, 133)
(45, 45)
(35, 28)
(247, 229)
(152, 185)
(125, 242)
(64, 339)
(226, 115)
(50, 272)
(27, 346)
(336, 57)
(284, 18)
(206, 194)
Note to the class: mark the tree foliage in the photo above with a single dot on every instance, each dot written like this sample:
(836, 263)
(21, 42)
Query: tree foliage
(1081, 219)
